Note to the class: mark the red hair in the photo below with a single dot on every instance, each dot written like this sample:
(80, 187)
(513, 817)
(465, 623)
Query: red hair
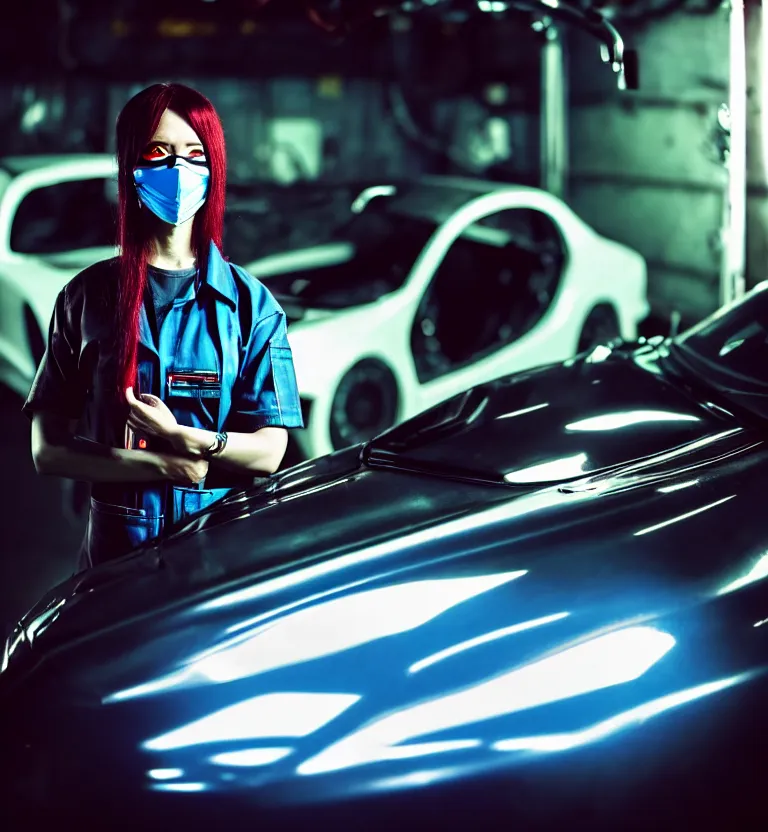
(136, 125)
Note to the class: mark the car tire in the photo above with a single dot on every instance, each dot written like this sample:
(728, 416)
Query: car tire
(365, 403)
(600, 327)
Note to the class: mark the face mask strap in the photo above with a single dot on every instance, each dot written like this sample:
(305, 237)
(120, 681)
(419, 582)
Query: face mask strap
(170, 162)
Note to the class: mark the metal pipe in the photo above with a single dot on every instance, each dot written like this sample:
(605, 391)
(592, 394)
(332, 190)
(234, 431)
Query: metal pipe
(553, 136)
(588, 20)
(733, 261)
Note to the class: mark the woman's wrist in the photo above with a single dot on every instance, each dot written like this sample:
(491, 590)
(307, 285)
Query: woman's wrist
(192, 441)
(144, 464)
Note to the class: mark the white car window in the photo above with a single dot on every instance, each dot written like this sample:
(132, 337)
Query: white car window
(483, 295)
(66, 216)
(384, 246)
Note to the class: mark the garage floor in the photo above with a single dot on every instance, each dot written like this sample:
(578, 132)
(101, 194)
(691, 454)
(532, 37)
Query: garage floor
(38, 547)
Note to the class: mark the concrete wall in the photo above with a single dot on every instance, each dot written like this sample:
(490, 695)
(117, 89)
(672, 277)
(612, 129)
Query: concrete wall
(336, 127)
(644, 167)
(757, 149)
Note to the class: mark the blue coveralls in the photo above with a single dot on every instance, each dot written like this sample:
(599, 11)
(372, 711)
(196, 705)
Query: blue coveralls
(222, 362)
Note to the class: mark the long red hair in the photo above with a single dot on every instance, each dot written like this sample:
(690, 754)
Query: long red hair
(136, 124)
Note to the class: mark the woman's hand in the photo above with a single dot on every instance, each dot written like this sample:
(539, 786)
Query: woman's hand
(151, 415)
(181, 470)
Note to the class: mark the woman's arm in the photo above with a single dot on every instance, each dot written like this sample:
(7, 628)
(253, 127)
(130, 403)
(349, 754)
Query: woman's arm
(56, 451)
(260, 452)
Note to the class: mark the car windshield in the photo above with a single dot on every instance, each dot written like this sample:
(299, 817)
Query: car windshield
(729, 350)
(383, 247)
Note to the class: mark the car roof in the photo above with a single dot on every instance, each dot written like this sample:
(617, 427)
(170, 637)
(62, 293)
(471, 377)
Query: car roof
(437, 197)
(16, 165)
(471, 187)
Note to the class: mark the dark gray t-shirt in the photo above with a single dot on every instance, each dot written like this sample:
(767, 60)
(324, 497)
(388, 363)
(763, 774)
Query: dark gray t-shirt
(164, 287)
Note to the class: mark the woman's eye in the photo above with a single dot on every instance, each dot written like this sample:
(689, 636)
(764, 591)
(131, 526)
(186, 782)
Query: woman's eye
(154, 151)
(198, 153)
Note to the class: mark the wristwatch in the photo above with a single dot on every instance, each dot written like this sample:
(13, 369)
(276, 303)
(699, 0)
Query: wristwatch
(217, 447)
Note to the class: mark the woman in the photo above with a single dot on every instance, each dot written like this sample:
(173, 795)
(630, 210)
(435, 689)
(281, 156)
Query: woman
(166, 359)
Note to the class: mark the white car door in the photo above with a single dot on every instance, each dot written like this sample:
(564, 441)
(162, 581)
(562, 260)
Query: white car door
(481, 314)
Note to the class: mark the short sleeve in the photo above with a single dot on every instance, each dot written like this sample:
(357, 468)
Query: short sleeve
(57, 386)
(266, 394)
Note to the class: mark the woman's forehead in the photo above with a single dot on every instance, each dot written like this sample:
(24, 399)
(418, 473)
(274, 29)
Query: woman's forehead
(173, 129)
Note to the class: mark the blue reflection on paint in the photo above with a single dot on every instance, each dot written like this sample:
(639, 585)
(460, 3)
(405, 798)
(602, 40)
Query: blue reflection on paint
(607, 660)
(604, 729)
(528, 504)
(270, 715)
(484, 639)
(414, 779)
(343, 623)
(250, 757)
(165, 773)
(324, 629)
(179, 787)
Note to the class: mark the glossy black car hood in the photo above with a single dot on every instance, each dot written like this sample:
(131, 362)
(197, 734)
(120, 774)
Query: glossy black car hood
(347, 632)
(543, 426)
(553, 424)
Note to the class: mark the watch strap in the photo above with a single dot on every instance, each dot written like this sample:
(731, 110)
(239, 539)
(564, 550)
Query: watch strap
(217, 446)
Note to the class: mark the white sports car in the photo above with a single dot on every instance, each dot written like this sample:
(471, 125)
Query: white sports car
(56, 218)
(429, 288)
(438, 285)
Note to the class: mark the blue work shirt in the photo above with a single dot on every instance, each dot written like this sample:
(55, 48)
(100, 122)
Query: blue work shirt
(221, 361)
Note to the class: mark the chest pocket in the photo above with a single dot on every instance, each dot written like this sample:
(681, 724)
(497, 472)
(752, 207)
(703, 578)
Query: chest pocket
(196, 393)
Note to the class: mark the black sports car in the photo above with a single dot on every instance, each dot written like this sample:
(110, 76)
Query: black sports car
(538, 605)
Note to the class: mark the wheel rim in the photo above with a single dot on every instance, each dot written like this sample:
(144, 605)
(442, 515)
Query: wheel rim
(364, 404)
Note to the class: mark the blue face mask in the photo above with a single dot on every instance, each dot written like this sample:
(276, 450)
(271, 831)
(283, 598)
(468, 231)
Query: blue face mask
(174, 191)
